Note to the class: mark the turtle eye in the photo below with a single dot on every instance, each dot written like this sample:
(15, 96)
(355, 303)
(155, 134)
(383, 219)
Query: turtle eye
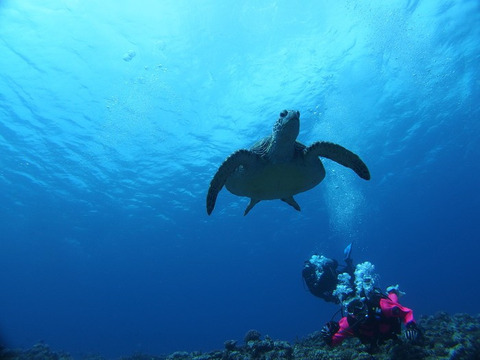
(283, 113)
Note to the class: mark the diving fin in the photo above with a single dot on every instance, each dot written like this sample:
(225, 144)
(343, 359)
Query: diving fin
(347, 252)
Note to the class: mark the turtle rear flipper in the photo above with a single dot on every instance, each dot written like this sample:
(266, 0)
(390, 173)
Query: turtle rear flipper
(340, 155)
(251, 204)
(291, 201)
(238, 158)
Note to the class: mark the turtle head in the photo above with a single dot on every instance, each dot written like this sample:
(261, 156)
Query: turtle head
(287, 127)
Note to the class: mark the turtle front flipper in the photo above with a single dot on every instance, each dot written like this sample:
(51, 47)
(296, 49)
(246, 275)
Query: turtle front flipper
(340, 155)
(231, 163)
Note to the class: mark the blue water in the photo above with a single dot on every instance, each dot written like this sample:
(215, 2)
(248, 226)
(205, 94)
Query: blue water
(115, 116)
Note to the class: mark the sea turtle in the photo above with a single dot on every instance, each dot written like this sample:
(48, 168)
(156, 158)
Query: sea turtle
(278, 166)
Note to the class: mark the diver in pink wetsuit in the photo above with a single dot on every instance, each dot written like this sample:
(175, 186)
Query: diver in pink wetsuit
(373, 321)
(368, 314)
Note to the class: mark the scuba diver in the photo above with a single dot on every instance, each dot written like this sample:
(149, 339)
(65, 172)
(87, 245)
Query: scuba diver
(320, 274)
(367, 313)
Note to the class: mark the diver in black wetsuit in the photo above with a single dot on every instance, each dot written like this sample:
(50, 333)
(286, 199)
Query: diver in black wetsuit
(320, 274)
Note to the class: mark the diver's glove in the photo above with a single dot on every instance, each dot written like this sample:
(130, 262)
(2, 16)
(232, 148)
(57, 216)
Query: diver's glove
(328, 331)
(412, 332)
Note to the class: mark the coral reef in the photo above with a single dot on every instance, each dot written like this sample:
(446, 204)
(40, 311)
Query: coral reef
(452, 337)
(252, 335)
(39, 351)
